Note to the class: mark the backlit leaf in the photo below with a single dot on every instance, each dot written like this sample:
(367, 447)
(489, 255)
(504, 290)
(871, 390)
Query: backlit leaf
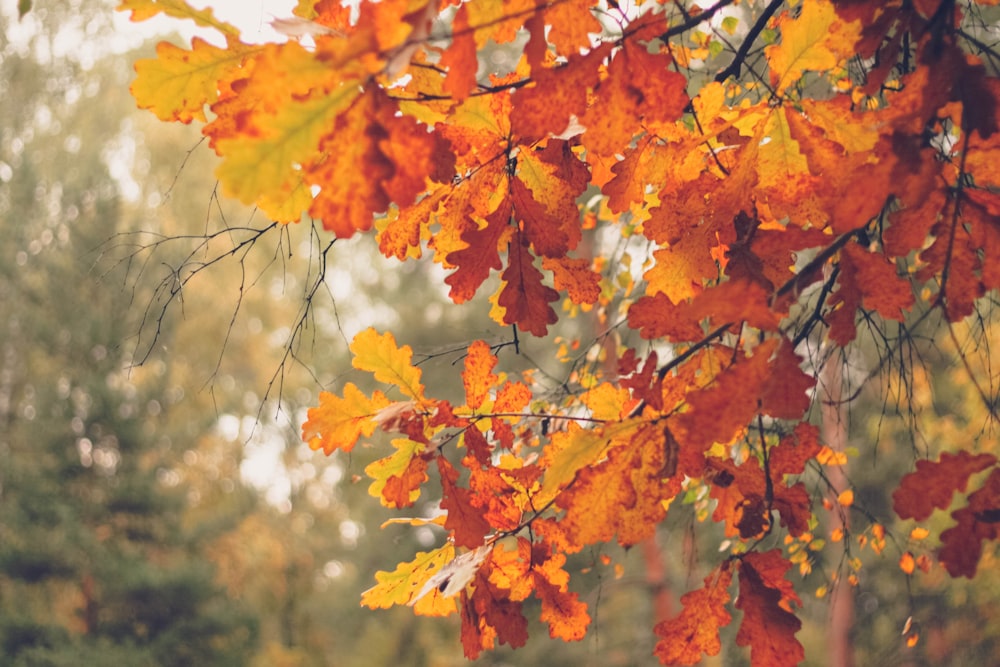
(178, 83)
(337, 423)
(391, 364)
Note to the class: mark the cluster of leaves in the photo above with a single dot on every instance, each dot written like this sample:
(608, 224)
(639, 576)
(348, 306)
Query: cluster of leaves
(793, 166)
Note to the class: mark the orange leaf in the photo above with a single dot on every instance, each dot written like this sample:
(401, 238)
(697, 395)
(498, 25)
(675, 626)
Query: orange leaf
(478, 375)
(337, 423)
(397, 478)
(718, 412)
(907, 563)
(460, 58)
(622, 495)
(639, 86)
(695, 631)
(511, 569)
(575, 276)
(564, 612)
(658, 316)
(388, 162)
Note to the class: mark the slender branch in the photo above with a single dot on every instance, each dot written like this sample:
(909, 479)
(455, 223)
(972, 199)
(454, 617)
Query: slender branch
(748, 42)
(695, 20)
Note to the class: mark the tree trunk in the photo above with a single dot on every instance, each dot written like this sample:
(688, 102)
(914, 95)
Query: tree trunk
(835, 436)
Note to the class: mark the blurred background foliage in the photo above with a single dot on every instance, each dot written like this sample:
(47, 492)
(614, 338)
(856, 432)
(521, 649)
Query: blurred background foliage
(167, 513)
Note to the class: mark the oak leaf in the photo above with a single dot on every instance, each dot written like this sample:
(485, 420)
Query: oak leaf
(465, 520)
(146, 9)
(523, 296)
(814, 41)
(622, 495)
(404, 583)
(397, 478)
(962, 543)
(695, 632)
(562, 609)
(389, 363)
(933, 483)
(478, 375)
(178, 84)
(768, 626)
(337, 423)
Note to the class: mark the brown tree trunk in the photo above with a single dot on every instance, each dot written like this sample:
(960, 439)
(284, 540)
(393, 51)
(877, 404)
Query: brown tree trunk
(835, 436)
(656, 579)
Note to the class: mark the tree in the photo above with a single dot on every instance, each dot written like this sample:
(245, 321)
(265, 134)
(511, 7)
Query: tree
(731, 196)
(96, 566)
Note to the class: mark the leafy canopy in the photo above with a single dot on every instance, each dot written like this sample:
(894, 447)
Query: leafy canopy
(794, 168)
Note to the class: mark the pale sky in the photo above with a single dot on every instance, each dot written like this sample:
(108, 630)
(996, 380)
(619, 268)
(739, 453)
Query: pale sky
(252, 17)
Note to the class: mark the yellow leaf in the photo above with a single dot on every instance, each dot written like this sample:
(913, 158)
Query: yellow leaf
(403, 584)
(919, 533)
(146, 9)
(177, 84)
(379, 355)
(266, 166)
(287, 205)
(606, 401)
(846, 498)
(817, 40)
(571, 450)
(780, 158)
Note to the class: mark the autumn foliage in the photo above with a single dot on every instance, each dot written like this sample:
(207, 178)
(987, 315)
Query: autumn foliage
(795, 167)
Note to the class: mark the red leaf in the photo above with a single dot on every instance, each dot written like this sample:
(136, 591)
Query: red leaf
(790, 456)
(768, 627)
(932, 484)
(466, 522)
(480, 256)
(658, 316)
(785, 395)
(523, 296)
(962, 543)
(719, 411)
